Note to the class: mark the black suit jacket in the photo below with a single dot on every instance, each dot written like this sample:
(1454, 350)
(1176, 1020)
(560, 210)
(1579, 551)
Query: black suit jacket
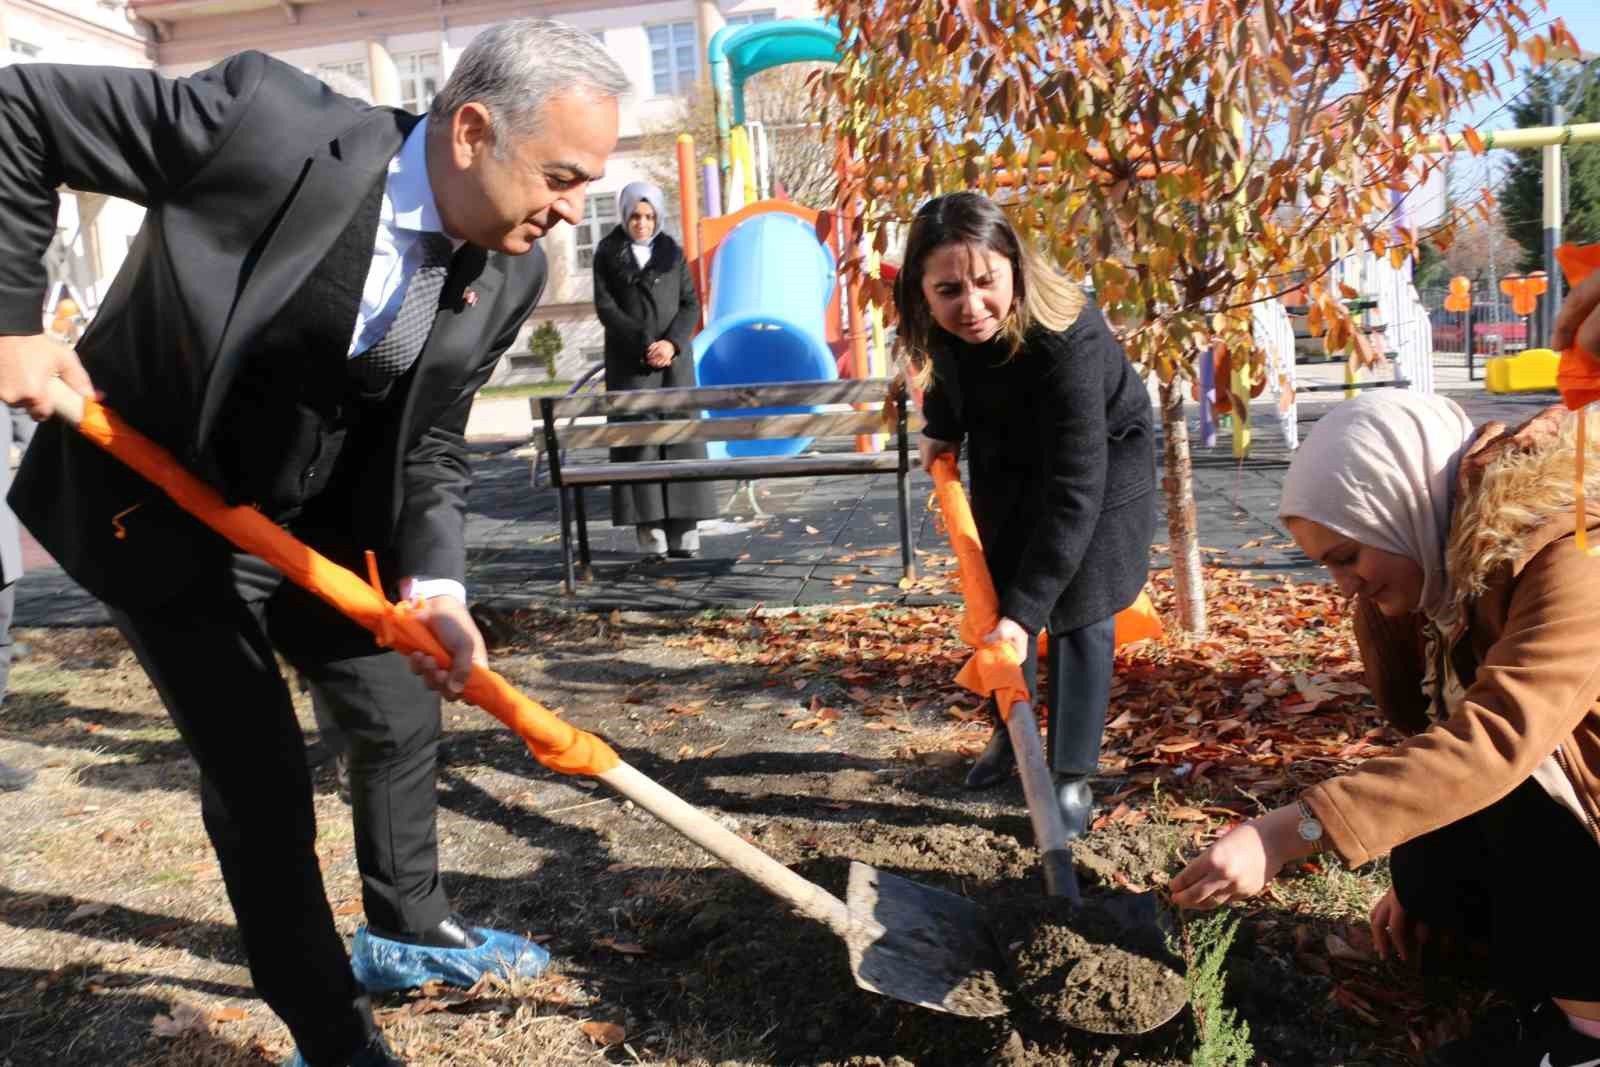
(248, 171)
(1062, 466)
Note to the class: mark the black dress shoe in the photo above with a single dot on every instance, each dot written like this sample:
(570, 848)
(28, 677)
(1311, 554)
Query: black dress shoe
(682, 553)
(995, 764)
(450, 932)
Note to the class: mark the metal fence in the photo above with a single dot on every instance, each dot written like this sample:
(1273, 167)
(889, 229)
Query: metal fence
(1495, 327)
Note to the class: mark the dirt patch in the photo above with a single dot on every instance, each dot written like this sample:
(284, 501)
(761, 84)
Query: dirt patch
(1083, 966)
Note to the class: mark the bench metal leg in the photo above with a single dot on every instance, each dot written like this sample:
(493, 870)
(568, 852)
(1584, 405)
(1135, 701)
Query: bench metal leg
(569, 585)
(583, 536)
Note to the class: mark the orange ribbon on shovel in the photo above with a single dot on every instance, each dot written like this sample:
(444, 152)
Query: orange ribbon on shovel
(554, 743)
(993, 669)
(1578, 378)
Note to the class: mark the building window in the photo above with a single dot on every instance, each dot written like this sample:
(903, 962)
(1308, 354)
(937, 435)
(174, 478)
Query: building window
(419, 79)
(674, 57)
(753, 17)
(24, 49)
(599, 216)
(350, 78)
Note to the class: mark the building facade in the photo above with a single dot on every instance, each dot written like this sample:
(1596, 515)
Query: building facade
(398, 52)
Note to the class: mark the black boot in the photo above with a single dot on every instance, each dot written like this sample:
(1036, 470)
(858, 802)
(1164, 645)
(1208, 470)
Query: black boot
(995, 764)
(1078, 690)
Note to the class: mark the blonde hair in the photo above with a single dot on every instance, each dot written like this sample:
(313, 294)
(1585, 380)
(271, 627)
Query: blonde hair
(1042, 295)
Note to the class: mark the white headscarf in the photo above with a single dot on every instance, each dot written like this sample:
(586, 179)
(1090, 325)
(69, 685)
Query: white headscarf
(1380, 469)
(629, 198)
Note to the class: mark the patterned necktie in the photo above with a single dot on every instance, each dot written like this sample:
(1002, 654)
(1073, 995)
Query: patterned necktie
(399, 347)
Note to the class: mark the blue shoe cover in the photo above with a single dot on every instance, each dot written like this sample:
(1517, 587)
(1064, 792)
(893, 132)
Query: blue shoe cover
(382, 965)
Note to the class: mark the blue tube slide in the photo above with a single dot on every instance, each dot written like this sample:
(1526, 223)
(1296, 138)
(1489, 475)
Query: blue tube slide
(770, 285)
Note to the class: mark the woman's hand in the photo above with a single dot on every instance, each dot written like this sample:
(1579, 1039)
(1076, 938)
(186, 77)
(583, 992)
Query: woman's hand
(1393, 928)
(1242, 862)
(660, 354)
(930, 449)
(1579, 321)
(1010, 633)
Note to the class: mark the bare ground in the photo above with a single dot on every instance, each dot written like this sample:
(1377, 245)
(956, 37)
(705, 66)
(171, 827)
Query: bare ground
(117, 945)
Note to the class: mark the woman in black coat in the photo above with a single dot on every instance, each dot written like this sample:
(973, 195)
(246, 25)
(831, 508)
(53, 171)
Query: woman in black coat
(646, 301)
(1060, 456)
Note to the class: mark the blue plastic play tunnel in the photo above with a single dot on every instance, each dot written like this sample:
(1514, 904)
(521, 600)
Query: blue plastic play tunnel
(770, 285)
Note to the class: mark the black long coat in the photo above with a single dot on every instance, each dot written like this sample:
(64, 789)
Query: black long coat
(1062, 463)
(637, 307)
(248, 172)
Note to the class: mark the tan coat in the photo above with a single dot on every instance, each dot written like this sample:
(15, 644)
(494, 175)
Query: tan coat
(1526, 651)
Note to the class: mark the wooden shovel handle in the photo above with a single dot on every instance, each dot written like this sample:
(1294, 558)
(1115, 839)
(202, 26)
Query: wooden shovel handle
(1044, 810)
(67, 403)
(809, 899)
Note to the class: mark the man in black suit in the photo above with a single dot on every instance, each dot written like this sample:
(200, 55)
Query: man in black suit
(317, 292)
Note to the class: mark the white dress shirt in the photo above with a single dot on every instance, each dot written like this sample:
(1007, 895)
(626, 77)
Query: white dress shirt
(408, 212)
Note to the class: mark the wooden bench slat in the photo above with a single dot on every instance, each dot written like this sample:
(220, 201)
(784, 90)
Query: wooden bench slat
(770, 394)
(668, 432)
(708, 470)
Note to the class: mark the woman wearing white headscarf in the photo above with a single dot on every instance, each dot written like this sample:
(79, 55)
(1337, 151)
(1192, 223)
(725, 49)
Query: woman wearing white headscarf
(1478, 619)
(646, 301)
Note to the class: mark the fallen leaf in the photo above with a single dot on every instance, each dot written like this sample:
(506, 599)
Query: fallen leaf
(185, 1019)
(604, 1034)
(88, 911)
(626, 948)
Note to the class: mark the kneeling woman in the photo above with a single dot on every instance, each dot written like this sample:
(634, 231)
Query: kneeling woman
(1478, 619)
(1022, 366)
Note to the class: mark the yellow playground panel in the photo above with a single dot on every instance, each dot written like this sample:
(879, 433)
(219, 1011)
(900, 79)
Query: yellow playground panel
(1530, 370)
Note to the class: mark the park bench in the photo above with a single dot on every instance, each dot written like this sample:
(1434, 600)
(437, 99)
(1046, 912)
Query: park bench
(744, 413)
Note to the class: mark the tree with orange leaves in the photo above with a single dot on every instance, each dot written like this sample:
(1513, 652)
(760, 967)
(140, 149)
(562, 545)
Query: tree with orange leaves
(1188, 158)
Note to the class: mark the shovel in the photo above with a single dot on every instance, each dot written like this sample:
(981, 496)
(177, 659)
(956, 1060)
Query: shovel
(936, 953)
(1133, 921)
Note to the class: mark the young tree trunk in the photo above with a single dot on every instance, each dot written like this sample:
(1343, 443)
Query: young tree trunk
(1183, 534)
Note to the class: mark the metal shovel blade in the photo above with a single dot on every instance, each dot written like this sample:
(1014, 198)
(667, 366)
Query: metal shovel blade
(921, 945)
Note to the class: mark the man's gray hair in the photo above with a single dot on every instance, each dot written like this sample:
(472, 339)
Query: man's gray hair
(515, 68)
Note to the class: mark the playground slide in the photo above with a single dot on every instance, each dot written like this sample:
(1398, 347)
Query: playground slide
(770, 285)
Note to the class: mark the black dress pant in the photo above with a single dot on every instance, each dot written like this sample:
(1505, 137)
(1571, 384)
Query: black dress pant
(1077, 692)
(210, 653)
(1518, 878)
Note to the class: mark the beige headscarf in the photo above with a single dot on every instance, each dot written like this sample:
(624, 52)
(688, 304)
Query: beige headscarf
(1380, 469)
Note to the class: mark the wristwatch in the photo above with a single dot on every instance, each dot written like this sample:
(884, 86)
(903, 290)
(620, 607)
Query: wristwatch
(1310, 827)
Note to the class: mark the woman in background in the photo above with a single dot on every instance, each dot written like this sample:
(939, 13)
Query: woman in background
(646, 301)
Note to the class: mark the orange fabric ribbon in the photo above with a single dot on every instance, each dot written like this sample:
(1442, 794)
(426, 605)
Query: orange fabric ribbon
(1578, 378)
(554, 743)
(995, 669)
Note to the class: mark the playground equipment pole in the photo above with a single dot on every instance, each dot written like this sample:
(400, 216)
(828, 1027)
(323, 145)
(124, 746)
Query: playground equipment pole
(689, 212)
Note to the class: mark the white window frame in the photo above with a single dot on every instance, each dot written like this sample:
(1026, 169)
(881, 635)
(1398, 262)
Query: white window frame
(25, 49)
(752, 18)
(596, 224)
(415, 94)
(674, 80)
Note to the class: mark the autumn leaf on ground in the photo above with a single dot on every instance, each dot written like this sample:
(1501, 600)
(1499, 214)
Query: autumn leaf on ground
(604, 1034)
(185, 1019)
(626, 948)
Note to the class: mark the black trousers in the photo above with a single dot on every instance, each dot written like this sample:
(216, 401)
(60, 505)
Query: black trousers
(1077, 692)
(1518, 878)
(210, 654)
